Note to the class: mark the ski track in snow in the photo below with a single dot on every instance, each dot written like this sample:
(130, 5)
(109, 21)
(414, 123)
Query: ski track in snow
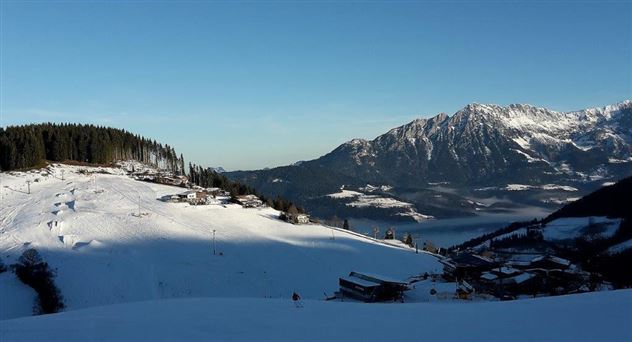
(105, 254)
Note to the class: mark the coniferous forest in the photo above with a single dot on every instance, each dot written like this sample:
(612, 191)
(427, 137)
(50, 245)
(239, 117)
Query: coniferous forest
(30, 145)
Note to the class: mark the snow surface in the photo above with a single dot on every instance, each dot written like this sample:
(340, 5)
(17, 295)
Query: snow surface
(598, 316)
(574, 227)
(105, 253)
(618, 248)
(345, 194)
(16, 299)
(362, 200)
(523, 187)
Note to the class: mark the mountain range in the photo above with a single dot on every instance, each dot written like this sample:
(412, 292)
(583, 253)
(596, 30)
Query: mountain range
(483, 158)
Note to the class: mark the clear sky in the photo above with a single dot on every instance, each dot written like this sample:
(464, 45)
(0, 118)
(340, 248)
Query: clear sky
(255, 84)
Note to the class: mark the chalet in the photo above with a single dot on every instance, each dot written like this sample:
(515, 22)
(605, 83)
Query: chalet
(509, 282)
(216, 200)
(297, 218)
(188, 195)
(466, 265)
(193, 197)
(170, 198)
(214, 191)
(372, 288)
(550, 262)
(249, 201)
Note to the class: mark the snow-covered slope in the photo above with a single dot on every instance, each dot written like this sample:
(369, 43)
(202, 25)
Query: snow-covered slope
(87, 227)
(601, 316)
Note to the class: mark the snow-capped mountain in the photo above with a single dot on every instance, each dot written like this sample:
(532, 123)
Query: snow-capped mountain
(218, 169)
(484, 147)
(488, 144)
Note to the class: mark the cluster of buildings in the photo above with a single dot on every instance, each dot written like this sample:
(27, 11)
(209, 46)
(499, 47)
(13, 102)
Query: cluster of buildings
(161, 178)
(199, 196)
(537, 275)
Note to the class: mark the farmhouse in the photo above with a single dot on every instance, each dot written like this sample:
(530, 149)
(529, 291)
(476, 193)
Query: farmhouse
(550, 262)
(372, 288)
(297, 218)
(249, 201)
(193, 197)
(466, 265)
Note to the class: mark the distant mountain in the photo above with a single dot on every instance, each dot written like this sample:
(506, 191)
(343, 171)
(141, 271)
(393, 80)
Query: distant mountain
(519, 152)
(218, 169)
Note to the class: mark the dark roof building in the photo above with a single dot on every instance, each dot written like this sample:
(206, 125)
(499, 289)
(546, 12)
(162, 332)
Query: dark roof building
(372, 288)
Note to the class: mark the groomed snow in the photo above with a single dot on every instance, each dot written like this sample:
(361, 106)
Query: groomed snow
(105, 254)
(600, 316)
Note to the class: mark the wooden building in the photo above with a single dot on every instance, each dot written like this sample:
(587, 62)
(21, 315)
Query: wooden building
(372, 288)
(466, 266)
(297, 218)
(249, 201)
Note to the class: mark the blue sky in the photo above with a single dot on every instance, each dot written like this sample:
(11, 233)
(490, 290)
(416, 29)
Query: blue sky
(255, 84)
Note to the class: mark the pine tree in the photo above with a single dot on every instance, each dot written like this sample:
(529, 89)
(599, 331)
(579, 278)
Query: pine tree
(345, 225)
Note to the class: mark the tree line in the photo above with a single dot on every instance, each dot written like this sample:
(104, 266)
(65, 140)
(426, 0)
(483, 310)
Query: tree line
(30, 145)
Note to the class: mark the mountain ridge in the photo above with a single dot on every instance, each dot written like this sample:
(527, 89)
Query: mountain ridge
(482, 146)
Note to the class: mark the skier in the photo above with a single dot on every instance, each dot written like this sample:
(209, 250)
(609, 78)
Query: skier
(297, 300)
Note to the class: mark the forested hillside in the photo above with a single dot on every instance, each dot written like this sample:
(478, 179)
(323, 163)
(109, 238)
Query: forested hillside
(611, 201)
(29, 145)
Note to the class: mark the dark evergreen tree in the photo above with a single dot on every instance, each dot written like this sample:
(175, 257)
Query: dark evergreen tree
(30, 145)
(33, 271)
(345, 225)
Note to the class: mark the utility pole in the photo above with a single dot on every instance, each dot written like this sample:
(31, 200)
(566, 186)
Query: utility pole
(28, 185)
(214, 241)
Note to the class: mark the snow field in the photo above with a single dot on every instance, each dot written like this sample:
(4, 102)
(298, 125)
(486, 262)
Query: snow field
(105, 254)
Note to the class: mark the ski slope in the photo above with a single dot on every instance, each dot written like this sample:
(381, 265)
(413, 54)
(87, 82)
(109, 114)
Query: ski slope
(600, 316)
(87, 227)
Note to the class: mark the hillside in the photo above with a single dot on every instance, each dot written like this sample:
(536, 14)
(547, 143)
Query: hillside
(484, 158)
(611, 201)
(87, 228)
(594, 232)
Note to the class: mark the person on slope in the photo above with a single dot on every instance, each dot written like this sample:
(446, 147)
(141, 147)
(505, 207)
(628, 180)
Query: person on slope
(297, 300)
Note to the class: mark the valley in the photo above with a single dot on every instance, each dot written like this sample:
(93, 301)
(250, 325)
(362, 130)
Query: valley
(483, 159)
